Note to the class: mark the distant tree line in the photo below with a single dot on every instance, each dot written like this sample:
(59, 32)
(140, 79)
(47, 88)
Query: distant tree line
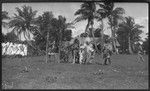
(47, 29)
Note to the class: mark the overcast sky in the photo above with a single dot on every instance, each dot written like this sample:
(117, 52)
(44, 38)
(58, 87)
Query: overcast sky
(139, 11)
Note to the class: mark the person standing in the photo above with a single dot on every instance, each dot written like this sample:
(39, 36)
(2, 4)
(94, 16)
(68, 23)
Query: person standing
(140, 52)
(106, 56)
(107, 53)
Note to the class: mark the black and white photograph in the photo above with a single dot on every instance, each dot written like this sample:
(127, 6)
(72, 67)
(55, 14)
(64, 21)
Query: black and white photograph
(75, 45)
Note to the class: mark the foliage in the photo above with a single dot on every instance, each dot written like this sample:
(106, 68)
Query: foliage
(3, 38)
(33, 52)
(128, 29)
(83, 35)
(113, 14)
(5, 17)
(86, 12)
(97, 32)
(22, 22)
(44, 26)
(145, 44)
(57, 29)
(11, 37)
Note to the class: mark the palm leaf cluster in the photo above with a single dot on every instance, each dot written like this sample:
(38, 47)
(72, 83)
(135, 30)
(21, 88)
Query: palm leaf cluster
(128, 33)
(106, 9)
(23, 21)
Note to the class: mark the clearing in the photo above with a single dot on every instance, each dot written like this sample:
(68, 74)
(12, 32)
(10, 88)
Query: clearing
(125, 72)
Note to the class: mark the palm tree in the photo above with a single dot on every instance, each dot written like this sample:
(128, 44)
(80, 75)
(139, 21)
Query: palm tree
(87, 12)
(48, 16)
(62, 26)
(50, 30)
(102, 13)
(131, 31)
(44, 29)
(113, 15)
(23, 22)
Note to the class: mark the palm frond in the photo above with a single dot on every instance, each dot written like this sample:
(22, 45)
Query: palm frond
(80, 18)
(137, 26)
(119, 10)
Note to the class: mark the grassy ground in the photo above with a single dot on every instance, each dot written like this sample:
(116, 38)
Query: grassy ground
(125, 72)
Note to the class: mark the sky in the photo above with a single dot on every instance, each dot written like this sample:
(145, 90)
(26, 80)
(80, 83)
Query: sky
(139, 11)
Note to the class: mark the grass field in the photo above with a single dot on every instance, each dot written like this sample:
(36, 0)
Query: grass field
(125, 72)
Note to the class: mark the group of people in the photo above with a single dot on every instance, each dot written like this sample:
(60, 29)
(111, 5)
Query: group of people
(84, 52)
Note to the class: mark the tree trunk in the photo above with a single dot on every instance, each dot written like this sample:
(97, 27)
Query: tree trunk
(60, 42)
(87, 26)
(59, 49)
(113, 35)
(133, 46)
(114, 44)
(129, 45)
(47, 47)
(94, 38)
(113, 38)
(102, 35)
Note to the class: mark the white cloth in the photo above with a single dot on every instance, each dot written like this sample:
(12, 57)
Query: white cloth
(90, 48)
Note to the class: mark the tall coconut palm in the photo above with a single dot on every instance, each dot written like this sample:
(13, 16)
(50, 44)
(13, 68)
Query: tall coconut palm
(113, 15)
(48, 16)
(87, 12)
(44, 29)
(23, 22)
(132, 31)
(102, 13)
(50, 30)
(62, 27)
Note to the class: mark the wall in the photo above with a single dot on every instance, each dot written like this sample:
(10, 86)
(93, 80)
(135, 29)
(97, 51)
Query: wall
(14, 49)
